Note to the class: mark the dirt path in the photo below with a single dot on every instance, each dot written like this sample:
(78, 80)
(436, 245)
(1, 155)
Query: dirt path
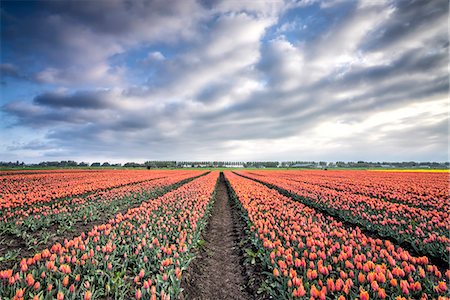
(216, 272)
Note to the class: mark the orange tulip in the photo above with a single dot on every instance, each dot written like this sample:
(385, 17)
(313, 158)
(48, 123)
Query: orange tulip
(330, 285)
(361, 278)
(381, 293)
(394, 282)
(363, 295)
(65, 281)
(315, 293)
(19, 293)
(374, 286)
(301, 291)
(60, 295)
(87, 295)
(30, 280)
(441, 287)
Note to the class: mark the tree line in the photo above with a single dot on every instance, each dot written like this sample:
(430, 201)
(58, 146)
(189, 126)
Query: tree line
(157, 164)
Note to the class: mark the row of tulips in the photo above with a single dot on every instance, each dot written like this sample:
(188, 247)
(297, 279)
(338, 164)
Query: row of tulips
(427, 190)
(40, 225)
(424, 230)
(69, 204)
(311, 256)
(37, 187)
(43, 171)
(140, 254)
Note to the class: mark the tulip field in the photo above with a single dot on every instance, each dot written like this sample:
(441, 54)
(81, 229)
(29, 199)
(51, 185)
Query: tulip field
(411, 209)
(315, 255)
(133, 234)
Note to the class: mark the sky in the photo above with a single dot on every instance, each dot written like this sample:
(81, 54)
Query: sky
(122, 80)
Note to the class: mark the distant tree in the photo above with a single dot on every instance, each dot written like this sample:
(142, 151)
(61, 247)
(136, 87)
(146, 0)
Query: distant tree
(71, 163)
(133, 165)
(160, 164)
(341, 164)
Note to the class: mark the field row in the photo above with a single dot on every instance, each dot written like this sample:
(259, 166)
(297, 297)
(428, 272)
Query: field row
(425, 230)
(31, 228)
(40, 187)
(141, 253)
(421, 189)
(314, 255)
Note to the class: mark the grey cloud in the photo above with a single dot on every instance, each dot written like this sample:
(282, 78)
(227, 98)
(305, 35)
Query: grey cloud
(128, 17)
(62, 108)
(12, 71)
(91, 113)
(213, 64)
(32, 145)
(109, 143)
(412, 62)
(424, 66)
(74, 42)
(409, 17)
(401, 144)
(9, 70)
(215, 91)
(80, 99)
(429, 134)
(28, 115)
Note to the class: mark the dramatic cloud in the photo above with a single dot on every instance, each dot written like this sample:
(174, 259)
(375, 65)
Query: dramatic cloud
(236, 80)
(86, 100)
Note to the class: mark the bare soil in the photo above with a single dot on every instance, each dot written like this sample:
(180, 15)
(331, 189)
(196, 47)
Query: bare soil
(218, 272)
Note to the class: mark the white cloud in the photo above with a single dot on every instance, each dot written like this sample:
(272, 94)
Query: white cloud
(214, 84)
(155, 57)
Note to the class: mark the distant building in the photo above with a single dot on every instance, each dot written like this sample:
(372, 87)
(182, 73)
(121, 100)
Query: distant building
(303, 166)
